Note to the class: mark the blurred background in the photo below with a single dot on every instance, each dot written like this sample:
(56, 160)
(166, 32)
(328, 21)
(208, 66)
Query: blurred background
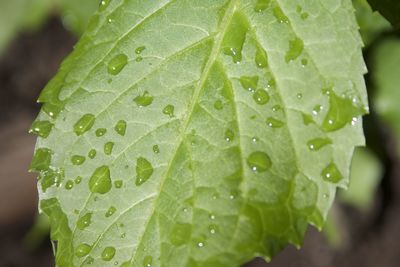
(364, 226)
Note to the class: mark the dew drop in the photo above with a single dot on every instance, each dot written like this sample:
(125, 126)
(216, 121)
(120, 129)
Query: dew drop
(140, 49)
(144, 100)
(261, 97)
(144, 170)
(213, 228)
(100, 132)
(218, 105)
(259, 161)
(276, 108)
(88, 261)
(100, 181)
(41, 128)
(212, 217)
(261, 58)
(84, 124)
(156, 149)
(304, 62)
(341, 112)
(104, 4)
(331, 173)
(318, 143)
(317, 109)
(261, 5)
(279, 15)
(229, 135)
(274, 123)
(168, 110)
(69, 184)
(41, 160)
(108, 148)
(118, 184)
(147, 261)
(296, 47)
(108, 254)
(299, 96)
(82, 250)
(249, 83)
(84, 221)
(120, 127)
(117, 64)
(78, 180)
(92, 153)
(304, 15)
(139, 59)
(110, 211)
(77, 160)
(307, 119)
(235, 36)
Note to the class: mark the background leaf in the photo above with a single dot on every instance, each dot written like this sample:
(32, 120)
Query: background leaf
(199, 133)
(390, 9)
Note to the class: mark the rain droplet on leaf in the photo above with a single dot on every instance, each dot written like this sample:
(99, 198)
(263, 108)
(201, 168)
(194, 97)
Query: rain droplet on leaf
(144, 170)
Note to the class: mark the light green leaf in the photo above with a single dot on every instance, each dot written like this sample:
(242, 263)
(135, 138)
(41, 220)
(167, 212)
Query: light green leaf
(365, 175)
(371, 23)
(19, 15)
(387, 80)
(199, 133)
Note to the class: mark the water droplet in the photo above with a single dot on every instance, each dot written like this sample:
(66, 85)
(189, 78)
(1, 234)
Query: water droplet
(78, 180)
(100, 181)
(304, 15)
(126, 264)
(101, 132)
(234, 37)
(279, 15)
(341, 112)
(104, 4)
(259, 161)
(144, 170)
(84, 124)
(82, 250)
(229, 135)
(108, 254)
(41, 160)
(317, 109)
(52, 110)
(249, 83)
(110, 211)
(274, 123)
(120, 127)
(276, 108)
(213, 228)
(117, 64)
(212, 217)
(307, 119)
(118, 184)
(78, 160)
(108, 147)
(296, 47)
(41, 128)
(169, 110)
(138, 59)
(200, 244)
(144, 100)
(304, 62)
(140, 49)
(84, 221)
(261, 97)
(299, 96)
(92, 153)
(318, 143)
(69, 185)
(254, 139)
(325, 196)
(261, 58)
(218, 105)
(331, 173)
(261, 5)
(180, 234)
(156, 149)
(88, 261)
(147, 261)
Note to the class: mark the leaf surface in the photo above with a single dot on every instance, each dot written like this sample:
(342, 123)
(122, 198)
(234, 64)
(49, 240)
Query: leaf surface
(199, 133)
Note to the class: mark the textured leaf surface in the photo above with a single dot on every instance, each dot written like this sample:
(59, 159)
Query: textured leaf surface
(387, 80)
(199, 133)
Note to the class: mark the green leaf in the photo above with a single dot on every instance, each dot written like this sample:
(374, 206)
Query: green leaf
(232, 123)
(371, 23)
(19, 15)
(387, 80)
(366, 173)
(76, 13)
(390, 9)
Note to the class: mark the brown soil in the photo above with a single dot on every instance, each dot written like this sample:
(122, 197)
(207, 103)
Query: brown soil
(369, 240)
